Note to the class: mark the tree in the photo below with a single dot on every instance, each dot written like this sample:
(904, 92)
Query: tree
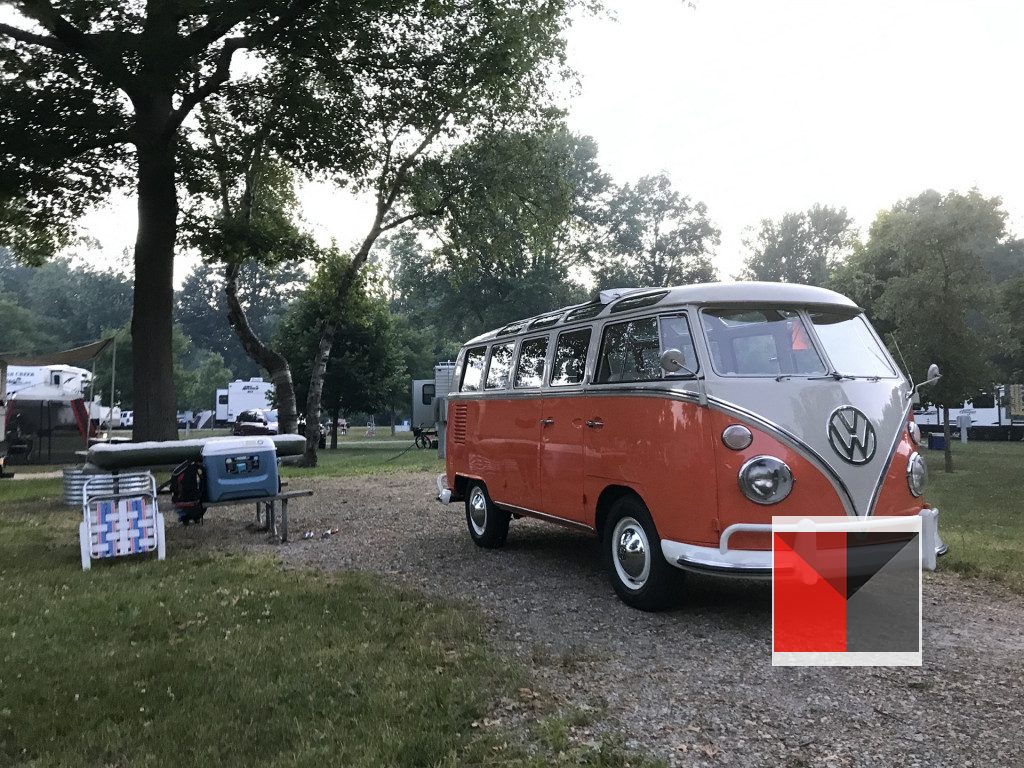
(936, 295)
(653, 236)
(368, 357)
(22, 331)
(200, 392)
(516, 224)
(450, 75)
(264, 293)
(802, 247)
(95, 95)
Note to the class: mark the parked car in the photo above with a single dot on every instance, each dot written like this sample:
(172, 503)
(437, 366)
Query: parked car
(127, 419)
(253, 422)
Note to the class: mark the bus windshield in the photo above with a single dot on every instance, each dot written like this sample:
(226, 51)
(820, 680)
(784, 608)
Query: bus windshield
(850, 345)
(760, 342)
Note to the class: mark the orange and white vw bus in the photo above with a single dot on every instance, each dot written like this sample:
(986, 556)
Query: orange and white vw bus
(674, 423)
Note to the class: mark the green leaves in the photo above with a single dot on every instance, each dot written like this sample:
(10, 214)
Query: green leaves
(652, 236)
(804, 247)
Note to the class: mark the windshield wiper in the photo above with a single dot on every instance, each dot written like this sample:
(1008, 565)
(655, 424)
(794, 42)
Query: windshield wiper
(836, 375)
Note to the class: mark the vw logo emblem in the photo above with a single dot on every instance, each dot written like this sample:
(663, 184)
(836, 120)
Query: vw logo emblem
(852, 435)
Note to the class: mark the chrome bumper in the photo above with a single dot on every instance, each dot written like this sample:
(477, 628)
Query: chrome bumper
(757, 563)
(444, 493)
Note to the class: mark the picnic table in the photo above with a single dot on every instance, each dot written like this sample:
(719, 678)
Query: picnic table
(268, 506)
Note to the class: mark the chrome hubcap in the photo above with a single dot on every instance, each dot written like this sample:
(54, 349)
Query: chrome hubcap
(478, 511)
(631, 553)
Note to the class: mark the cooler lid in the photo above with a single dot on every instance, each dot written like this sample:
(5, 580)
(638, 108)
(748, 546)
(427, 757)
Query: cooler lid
(234, 445)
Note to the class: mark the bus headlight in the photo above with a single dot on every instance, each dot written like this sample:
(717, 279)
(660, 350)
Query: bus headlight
(917, 474)
(914, 432)
(766, 480)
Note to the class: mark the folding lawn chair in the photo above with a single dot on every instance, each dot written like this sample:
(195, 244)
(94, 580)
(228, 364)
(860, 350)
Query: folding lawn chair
(120, 517)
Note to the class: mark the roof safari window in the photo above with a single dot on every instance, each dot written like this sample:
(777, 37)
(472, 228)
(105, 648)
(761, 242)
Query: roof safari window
(516, 327)
(586, 312)
(474, 369)
(530, 371)
(636, 302)
(500, 367)
(545, 322)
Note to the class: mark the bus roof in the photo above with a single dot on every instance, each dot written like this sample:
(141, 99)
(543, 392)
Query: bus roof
(740, 292)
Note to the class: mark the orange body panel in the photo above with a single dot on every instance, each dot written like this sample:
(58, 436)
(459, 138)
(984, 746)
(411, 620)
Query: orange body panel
(895, 497)
(667, 450)
(812, 494)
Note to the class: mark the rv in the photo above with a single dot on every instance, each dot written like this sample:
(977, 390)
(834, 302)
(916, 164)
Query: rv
(675, 423)
(987, 409)
(48, 397)
(239, 396)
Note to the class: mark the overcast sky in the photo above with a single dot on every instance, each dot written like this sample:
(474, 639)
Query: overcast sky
(758, 108)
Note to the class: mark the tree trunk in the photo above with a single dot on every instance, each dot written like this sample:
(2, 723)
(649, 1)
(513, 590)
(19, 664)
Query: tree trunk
(316, 390)
(392, 421)
(949, 442)
(275, 363)
(153, 301)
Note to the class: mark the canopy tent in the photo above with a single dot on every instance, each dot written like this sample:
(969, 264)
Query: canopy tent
(74, 356)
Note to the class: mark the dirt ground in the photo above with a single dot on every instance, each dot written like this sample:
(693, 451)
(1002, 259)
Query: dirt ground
(692, 686)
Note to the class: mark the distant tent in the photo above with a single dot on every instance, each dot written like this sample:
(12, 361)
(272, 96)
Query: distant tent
(75, 356)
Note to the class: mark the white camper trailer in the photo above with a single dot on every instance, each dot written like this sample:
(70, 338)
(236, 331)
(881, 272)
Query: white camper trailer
(253, 394)
(45, 396)
(220, 410)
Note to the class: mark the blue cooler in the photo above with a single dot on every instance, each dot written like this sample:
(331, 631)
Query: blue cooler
(240, 468)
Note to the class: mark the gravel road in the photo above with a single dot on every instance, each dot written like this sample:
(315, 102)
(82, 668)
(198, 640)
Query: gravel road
(692, 686)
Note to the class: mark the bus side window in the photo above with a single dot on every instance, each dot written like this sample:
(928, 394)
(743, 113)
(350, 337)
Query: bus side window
(630, 352)
(472, 378)
(675, 334)
(570, 358)
(530, 371)
(500, 366)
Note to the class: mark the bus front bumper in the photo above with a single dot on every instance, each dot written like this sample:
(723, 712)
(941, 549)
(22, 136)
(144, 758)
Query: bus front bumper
(757, 563)
(445, 494)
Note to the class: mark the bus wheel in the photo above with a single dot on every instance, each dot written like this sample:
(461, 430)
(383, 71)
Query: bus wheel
(488, 525)
(632, 549)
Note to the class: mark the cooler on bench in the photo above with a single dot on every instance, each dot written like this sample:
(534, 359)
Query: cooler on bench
(240, 468)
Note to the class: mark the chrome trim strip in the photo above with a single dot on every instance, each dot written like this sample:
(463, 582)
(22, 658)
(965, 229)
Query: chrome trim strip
(723, 542)
(543, 516)
(888, 462)
(748, 563)
(797, 444)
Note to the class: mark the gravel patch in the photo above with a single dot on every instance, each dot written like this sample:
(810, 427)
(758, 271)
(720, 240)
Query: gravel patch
(692, 686)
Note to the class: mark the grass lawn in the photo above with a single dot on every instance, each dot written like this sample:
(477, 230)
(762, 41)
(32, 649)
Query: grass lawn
(981, 506)
(220, 659)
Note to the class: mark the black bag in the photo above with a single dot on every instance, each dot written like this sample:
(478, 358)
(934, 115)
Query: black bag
(188, 491)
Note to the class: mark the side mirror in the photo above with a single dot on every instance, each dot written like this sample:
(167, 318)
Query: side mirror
(673, 361)
(933, 376)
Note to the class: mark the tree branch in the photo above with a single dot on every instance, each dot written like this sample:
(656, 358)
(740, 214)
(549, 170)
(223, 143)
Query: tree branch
(220, 75)
(98, 49)
(23, 36)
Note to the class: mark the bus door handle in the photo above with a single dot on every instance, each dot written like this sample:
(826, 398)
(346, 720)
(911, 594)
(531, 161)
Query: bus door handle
(547, 422)
(595, 423)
